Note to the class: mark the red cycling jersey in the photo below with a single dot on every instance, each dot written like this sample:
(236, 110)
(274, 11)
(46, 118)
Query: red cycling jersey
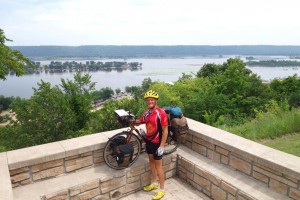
(151, 118)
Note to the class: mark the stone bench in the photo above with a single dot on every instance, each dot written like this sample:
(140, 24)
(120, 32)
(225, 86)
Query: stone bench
(278, 171)
(220, 182)
(214, 161)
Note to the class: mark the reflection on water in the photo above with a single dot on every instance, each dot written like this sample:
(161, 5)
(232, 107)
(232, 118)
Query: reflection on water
(165, 69)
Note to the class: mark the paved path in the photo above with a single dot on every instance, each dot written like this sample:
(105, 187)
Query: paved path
(175, 190)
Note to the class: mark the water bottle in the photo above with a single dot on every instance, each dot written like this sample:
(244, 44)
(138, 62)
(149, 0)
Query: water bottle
(143, 133)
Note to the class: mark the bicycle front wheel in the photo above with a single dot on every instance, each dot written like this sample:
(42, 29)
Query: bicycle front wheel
(110, 155)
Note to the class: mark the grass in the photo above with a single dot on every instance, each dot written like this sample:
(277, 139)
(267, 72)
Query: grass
(269, 125)
(288, 143)
(280, 131)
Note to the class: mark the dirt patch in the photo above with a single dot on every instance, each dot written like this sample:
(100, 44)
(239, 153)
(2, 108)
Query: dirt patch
(11, 114)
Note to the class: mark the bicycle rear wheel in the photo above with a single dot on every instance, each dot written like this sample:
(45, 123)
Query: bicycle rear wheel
(171, 144)
(109, 153)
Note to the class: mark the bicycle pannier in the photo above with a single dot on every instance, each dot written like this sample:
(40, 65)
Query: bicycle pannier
(124, 154)
(119, 140)
(180, 128)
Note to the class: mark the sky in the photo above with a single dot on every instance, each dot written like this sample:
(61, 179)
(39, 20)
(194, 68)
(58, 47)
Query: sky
(150, 22)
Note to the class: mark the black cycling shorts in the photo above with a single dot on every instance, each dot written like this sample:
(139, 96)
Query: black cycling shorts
(151, 148)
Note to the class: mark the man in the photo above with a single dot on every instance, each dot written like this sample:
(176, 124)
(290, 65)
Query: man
(156, 122)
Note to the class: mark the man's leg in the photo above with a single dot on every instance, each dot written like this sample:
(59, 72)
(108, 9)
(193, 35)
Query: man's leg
(160, 172)
(154, 183)
(152, 168)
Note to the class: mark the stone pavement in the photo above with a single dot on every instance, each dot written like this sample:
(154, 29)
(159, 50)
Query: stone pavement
(175, 188)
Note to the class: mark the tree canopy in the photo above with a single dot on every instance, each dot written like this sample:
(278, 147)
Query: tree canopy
(11, 60)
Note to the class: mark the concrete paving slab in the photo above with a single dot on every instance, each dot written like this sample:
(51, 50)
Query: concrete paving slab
(175, 190)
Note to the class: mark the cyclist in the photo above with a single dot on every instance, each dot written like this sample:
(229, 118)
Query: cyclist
(156, 122)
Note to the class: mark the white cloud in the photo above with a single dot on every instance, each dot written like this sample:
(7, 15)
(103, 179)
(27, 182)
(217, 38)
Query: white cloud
(79, 22)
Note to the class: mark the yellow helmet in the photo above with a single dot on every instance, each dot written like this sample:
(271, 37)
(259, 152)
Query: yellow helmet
(151, 93)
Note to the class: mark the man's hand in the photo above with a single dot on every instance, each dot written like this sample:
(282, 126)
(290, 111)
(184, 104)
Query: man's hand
(160, 151)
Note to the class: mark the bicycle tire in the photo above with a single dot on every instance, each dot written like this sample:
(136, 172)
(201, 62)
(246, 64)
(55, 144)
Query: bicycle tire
(107, 151)
(171, 149)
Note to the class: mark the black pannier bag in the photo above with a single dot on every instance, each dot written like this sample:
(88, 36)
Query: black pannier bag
(119, 140)
(124, 154)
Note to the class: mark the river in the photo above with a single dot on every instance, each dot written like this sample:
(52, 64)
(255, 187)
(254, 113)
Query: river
(164, 69)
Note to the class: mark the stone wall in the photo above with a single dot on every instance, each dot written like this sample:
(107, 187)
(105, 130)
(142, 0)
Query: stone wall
(121, 183)
(208, 183)
(278, 170)
(51, 169)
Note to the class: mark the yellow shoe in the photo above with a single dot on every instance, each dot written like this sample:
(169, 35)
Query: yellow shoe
(160, 194)
(150, 187)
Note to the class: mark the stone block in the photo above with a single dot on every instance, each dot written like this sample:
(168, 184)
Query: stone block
(188, 144)
(20, 177)
(278, 186)
(267, 168)
(145, 179)
(98, 160)
(170, 174)
(169, 167)
(202, 182)
(84, 187)
(182, 175)
(112, 184)
(260, 177)
(290, 178)
(78, 163)
(187, 165)
(199, 149)
(72, 157)
(101, 197)
(86, 154)
(136, 171)
(275, 177)
(229, 188)
(25, 182)
(18, 171)
(203, 143)
(189, 175)
(86, 195)
(217, 193)
(222, 151)
(294, 193)
(133, 179)
(47, 165)
(224, 160)
(133, 186)
(58, 196)
(167, 160)
(216, 157)
(48, 173)
(240, 164)
(207, 175)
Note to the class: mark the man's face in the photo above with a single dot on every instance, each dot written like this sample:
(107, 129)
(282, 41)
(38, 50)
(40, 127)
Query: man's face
(151, 102)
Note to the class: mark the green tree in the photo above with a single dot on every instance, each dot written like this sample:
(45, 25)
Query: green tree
(79, 95)
(103, 93)
(11, 60)
(45, 117)
(118, 91)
